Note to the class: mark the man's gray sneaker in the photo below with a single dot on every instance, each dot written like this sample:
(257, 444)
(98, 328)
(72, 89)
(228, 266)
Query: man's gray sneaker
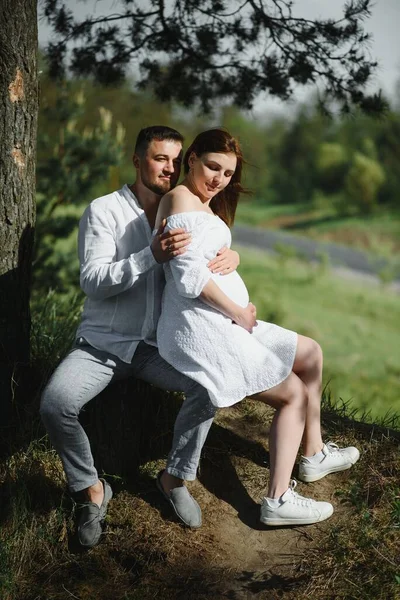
(183, 503)
(333, 459)
(92, 517)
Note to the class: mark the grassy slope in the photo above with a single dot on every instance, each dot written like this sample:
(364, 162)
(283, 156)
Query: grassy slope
(145, 554)
(357, 325)
(379, 233)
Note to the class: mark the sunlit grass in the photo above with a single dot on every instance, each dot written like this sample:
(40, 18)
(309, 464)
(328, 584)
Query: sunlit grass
(143, 554)
(378, 233)
(357, 325)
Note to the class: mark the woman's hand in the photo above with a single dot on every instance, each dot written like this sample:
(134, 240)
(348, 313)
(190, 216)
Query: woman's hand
(247, 317)
(225, 262)
(167, 245)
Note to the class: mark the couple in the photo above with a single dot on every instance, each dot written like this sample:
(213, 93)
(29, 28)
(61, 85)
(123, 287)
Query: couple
(152, 243)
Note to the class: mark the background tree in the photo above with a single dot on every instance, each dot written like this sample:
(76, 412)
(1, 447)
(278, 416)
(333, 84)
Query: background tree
(210, 50)
(77, 157)
(363, 181)
(19, 102)
(331, 162)
(295, 179)
(200, 52)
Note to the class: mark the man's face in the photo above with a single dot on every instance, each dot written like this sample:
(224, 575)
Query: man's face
(159, 169)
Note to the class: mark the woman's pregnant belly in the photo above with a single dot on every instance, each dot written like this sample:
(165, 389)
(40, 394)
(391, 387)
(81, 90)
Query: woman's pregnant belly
(234, 287)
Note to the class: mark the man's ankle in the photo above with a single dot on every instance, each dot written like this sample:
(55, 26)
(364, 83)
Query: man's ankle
(95, 493)
(169, 482)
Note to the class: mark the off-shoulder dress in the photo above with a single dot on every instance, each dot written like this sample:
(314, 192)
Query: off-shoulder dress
(201, 342)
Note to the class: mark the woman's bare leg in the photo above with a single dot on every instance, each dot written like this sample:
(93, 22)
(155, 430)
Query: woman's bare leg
(290, 401)
(308, 367)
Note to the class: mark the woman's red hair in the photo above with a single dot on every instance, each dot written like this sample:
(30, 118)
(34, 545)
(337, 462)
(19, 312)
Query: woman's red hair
(225, 203)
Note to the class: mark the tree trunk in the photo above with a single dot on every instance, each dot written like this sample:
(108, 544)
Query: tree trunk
(130, 423)
(18, 122)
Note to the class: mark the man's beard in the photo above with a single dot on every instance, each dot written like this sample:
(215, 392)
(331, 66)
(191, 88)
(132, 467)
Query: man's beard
(158, 188)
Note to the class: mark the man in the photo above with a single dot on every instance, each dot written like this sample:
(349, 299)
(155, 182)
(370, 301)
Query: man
(122, 277)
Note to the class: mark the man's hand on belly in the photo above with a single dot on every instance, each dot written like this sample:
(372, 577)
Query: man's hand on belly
(225, 262)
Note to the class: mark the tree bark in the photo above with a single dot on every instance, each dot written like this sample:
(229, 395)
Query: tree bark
(18, 124)
(128, 424)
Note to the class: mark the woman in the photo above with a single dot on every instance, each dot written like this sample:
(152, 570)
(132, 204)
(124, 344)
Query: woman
(208, 331)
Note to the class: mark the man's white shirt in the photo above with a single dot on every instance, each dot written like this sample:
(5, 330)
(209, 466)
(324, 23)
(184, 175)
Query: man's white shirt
(119, 275)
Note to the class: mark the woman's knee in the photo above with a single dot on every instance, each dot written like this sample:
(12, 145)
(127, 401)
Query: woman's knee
(317, 354)
(311, 357)
(296, 396)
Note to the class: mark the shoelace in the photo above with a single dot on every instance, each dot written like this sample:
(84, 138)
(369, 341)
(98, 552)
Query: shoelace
(94, 517)
(91, 521)
(296, 498)
(334, 449)
(79, 506)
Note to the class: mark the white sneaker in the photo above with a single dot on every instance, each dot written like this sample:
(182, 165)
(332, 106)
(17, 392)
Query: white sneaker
(294, 509)
(334, 459)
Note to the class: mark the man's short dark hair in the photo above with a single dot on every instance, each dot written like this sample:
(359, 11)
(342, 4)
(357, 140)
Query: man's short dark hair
(159, 133)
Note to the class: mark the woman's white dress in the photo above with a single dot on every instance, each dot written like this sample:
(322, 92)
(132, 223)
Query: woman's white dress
(201, 342)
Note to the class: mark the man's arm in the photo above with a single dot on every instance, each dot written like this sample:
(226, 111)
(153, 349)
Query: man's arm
(101, 275)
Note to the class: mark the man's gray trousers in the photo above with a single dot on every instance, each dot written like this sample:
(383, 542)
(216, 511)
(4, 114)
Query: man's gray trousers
(84, 373)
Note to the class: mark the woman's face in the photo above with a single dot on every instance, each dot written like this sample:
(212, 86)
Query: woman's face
(212, 172)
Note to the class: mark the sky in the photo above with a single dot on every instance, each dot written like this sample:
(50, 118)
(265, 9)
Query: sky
(383, 24)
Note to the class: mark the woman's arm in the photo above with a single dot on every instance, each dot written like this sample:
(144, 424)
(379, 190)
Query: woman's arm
(212, 295)
(180, 200)
(193, 279)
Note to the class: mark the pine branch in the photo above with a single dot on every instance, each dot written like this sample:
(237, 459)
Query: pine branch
(206, 51)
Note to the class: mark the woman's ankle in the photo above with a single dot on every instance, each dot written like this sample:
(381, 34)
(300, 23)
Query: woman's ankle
(276, 491)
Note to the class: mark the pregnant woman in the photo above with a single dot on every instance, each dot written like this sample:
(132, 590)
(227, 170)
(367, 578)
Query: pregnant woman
(208, 331)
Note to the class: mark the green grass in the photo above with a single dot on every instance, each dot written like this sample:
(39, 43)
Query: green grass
(143, 555)
(358, 557)
(357, 325)
(262, 214)
(378, 233)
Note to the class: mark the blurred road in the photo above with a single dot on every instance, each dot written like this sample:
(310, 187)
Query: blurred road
(341, 258)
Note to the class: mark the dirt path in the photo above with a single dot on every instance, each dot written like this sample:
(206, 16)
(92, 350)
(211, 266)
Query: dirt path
(257, 562)
(146, 554)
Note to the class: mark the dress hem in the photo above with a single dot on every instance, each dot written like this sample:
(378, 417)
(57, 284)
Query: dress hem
(257, 391)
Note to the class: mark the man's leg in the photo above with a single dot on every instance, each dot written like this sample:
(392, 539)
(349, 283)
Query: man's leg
(190, 431)
(195, 416)
(81, 376)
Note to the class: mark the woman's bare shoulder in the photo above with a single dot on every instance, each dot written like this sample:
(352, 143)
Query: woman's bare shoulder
(178, 200)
